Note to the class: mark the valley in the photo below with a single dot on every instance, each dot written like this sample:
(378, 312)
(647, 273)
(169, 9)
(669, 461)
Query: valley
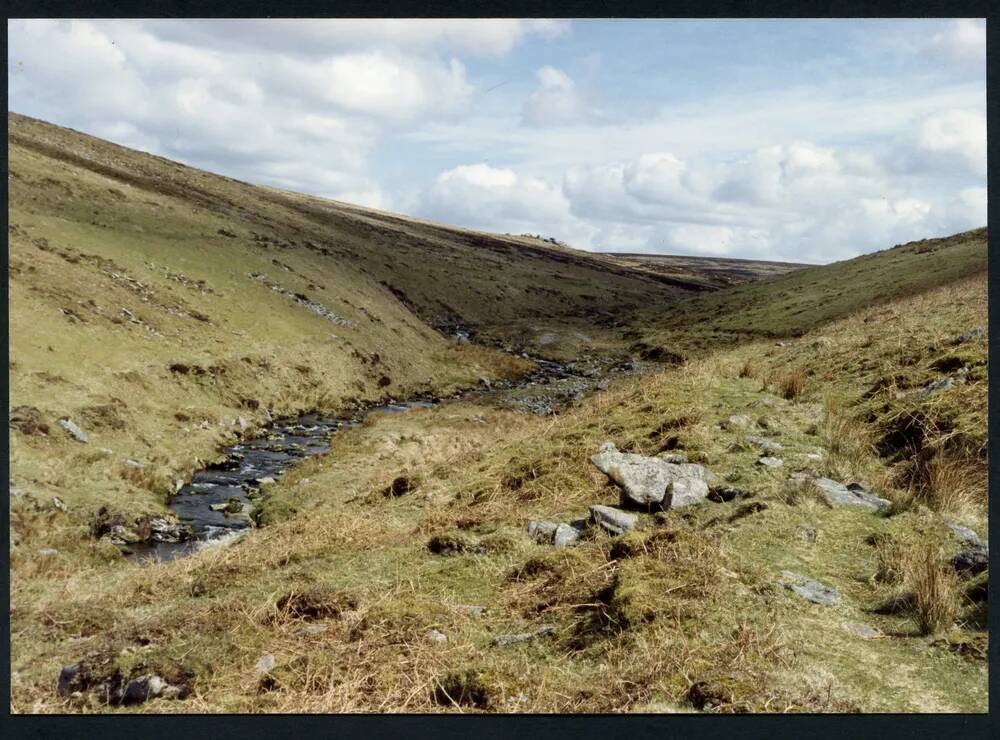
(475, 472)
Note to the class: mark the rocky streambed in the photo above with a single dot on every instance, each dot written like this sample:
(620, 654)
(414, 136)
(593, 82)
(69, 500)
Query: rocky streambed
(218, 503)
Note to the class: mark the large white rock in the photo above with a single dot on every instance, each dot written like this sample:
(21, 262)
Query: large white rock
(652, 481)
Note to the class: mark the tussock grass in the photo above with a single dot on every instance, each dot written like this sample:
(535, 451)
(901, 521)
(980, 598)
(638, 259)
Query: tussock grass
(791, 385)
(934, 588)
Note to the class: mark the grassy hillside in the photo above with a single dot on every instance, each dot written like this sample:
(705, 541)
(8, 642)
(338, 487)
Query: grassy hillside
(343, 588)
(792, 304)
(155, 305)
(163, 309)
(710, 272)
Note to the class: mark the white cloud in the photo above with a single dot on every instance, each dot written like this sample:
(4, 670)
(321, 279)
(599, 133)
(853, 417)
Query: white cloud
(494, 198)
(964, 41)
(391, 113)
(955, 134)
(555, 102)
(316, 37)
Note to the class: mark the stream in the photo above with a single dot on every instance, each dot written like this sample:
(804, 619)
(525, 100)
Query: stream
(215, 505)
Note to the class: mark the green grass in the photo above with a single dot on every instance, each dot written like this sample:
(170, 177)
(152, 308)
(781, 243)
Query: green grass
(690, 600)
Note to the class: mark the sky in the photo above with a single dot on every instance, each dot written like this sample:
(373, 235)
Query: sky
(808, 141)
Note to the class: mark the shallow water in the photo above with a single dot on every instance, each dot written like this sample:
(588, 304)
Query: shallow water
(237, 477)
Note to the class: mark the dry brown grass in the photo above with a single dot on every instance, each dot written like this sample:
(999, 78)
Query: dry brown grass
(749, 368)
(792, 384)
(951, 484)
(935, 590)
(847, 439)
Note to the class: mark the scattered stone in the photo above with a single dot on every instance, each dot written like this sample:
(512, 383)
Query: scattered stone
(47, 552)
(837, 494)
(764, 444)
(864, 631)
(57, 503)
(725, 495)
(565, 535)
(144, 688)
(770, 462)
(614, 521)
(68, 680)
(813, 456)
(313, 629)
(437, 637)
(675, 458)
(937, 385)
(808, 589)
(243, 423)
(264, 666)
(972, 561)
(808, 534)
(652, 481)
(134, 464)
(484, 382)
(541, 533)
(977, 333)
(511, 639)
(964, 534)
(164, 530)
(72, 429)
(475, 611)
(737, 421)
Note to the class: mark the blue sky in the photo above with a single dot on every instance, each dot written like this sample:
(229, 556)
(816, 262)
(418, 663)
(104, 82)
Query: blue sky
(802, 140)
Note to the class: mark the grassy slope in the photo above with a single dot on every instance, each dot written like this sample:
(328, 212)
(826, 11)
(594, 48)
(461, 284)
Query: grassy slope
(635, 625)
(124, 264)
(795, 303)
(712, 272)
(691, 598)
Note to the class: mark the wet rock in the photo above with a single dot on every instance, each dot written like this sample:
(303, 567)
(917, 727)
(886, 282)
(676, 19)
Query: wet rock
(652, 481)
(765, 444)
(964, 534)
(973, 560)
(72, 429)
(511, 639)
(864, 631)
(164, 530)
(614, 521)
(837, 494)
(770, 462)
(808, 589)
(28, 420)
(436, 637)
